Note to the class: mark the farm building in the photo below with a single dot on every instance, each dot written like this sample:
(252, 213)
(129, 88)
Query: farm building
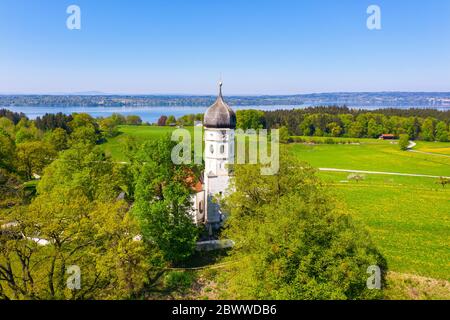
(387, 136)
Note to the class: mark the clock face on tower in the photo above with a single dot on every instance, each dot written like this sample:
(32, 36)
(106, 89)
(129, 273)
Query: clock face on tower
(211, 149)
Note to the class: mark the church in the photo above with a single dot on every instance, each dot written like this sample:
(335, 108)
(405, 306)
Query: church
(219, 124)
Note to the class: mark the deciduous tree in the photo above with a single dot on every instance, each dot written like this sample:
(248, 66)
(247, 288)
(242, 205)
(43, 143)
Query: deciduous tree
(163, 200)
(292, 239)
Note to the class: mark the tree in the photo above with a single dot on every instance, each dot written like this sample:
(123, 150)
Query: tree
(171, 120)
(83, 120)
(374, 130)
(7, 127)
(61, 229)
(163, 201)
(356, 130)
(442, 133)
(85, 168)
(292, 239)
(24, 135)
(412, 127)
(162, 121)
(356, 177)
(84, 129)
(403, 143)
(109, 127)
(7, 151)
(58, 138)
(118, 119)
(76, 219)
(186, 120)
(27, 132)
(134, 120)
(307, 127)
(428, 130)
(84, 135)
(443, 181)
(284, 135)
(11, 190)
(33, 157)
(13, 116)
(53, 121)
(250, 119)
(334, 129)
(346, 120)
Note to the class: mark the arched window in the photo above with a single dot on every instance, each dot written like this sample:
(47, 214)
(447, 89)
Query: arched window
(222, 149)
(211, 148)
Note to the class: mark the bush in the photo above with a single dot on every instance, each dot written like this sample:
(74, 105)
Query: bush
(329, 141)
(403, 142)
(179, 280)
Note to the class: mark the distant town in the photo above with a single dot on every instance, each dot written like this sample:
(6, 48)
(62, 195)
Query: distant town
(360, 99)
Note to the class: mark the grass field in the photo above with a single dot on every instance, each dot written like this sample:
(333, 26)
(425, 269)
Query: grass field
(372, 155)
(434, 147)
(407, 217)
(141, 133)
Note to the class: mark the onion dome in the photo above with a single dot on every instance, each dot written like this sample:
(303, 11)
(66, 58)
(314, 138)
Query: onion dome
(220, 115)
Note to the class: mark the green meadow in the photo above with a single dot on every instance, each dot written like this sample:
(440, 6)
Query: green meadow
(408, 217)
(372, 155)
(140, 133)
(434, 147)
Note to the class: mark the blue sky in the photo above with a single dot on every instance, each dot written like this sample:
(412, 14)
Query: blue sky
(258, 46)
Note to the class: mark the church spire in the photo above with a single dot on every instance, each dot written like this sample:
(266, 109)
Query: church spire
(220, 89)
(220, 115)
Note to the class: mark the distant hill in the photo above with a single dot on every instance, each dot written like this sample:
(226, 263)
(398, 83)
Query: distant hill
(352, 99)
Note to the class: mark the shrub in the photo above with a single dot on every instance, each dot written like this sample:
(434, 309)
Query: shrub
(179, 280)
(403, 142)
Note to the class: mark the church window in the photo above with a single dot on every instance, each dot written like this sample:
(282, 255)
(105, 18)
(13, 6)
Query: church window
(211, 148)
(222, 149)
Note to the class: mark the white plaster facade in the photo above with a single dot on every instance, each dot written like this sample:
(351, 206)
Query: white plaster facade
(220, 121)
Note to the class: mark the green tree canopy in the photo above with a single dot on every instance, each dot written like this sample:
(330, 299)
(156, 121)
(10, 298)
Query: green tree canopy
(163, 200)
(62, 229)
(85, 168)
(250, 119)
(442, 133)
(292, 239)
(33, 157)
(403, 142)
(134, 120)
(428, 130)
(7, 151)
(58, 138)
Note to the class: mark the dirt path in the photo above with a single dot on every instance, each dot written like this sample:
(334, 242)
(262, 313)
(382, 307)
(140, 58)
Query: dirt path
(430, 153)
(381, 172)
(412, 144)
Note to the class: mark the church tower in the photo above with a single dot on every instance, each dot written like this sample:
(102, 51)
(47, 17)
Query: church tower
(219, 123)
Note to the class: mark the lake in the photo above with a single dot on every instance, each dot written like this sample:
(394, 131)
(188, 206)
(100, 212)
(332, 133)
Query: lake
(149, 114)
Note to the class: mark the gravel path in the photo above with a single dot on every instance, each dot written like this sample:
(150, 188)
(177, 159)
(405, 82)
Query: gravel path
(381, 172)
